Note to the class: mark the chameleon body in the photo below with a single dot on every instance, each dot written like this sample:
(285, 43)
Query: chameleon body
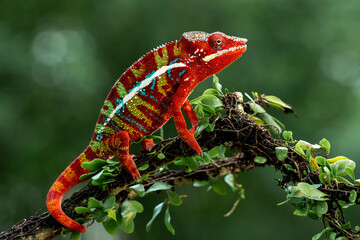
(151, 91)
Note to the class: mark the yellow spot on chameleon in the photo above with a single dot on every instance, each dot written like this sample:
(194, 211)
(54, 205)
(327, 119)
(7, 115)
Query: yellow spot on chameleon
(177, 50)
(69, 174)
(132, 108)
(59, 187)
(162, 81)
(161, 61)
(138, 71)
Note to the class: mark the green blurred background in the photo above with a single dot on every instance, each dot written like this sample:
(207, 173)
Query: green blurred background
(59, 59)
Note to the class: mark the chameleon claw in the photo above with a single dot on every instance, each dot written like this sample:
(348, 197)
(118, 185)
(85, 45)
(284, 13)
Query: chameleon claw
(131, 168)
(147, 144)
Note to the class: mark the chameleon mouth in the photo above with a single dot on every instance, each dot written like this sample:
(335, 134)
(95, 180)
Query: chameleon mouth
(219, 53)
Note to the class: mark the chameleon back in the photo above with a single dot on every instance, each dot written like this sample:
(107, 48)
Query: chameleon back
(140, 100)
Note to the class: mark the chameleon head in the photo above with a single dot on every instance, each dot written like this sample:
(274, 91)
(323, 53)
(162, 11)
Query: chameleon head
(208, 54)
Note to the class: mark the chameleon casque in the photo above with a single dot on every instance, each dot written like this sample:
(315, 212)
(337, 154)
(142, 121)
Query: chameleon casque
(142, 100)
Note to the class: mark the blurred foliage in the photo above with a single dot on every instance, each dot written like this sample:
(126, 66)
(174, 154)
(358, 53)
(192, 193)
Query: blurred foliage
(58, 60)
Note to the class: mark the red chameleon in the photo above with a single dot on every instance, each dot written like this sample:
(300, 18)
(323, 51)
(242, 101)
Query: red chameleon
(151, 91)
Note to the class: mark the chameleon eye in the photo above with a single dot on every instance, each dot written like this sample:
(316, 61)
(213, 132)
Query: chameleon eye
(217, 41)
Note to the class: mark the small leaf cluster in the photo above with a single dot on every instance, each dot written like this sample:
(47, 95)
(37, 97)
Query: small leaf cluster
(111, 215)
(312, 202)
(208, 105)
(261, 117)
(101, 172)
(171, 199)
(331, 169)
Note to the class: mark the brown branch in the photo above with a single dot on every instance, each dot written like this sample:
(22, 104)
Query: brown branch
(242, 135)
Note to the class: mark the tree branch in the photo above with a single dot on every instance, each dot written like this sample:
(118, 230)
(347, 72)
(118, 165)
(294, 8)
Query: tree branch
(245, 137)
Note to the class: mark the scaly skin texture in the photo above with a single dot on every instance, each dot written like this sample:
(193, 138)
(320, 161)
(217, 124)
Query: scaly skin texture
(151, 91)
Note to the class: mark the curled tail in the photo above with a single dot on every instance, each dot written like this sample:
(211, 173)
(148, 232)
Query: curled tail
(67, 179)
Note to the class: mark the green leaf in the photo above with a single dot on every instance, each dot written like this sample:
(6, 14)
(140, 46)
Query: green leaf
(167, 219)
(321, 207)
(99, 215)
(174, 198)
(321, 160)
(311, 192)
(143, 167)
(260, 159)
(308, 155)
(324, 143)
(230, 179)
(277, 101)
(109, 202)
(270, 120)
(352, 197)
(94, 164)
(256, 108)
(218, 186)
(341, 238)
(299, 150)
(211, 91)
(139, 189)
(160, 156)
(216, 84)
(97, 176)
(350, 172)
(191, 163)
(208, 100)
(200, 183)
(133, 206)
(287, 135)
(80, 210)
(318, 236)
(127, 225)
(156, 212)
(289, 167)
(312, 215)
(301, 210)
(202, 125)
(87, 175)
(159, 186)
(129, 208)
(341, 165)
(323, 178)
(112, 214)
(94, 203)
(346, 226)
(199, 111)
(111, 226)
(75, 236)
(306, 145)
(281, 153)
(332, 236)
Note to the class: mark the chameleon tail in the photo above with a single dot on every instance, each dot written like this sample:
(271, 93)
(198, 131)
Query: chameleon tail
(67, 179)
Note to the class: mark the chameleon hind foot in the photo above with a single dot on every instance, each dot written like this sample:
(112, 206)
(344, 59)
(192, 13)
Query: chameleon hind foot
(119, 145)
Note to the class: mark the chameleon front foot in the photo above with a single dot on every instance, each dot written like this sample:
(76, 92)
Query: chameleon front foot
(130, 166)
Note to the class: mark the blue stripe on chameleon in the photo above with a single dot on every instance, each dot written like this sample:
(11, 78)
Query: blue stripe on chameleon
(181, 73)
(132, 121)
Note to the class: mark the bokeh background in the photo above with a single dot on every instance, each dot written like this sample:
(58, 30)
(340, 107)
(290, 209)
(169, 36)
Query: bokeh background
(59, 59)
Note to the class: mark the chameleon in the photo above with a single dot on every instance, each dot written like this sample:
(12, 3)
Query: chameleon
(143, 99)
